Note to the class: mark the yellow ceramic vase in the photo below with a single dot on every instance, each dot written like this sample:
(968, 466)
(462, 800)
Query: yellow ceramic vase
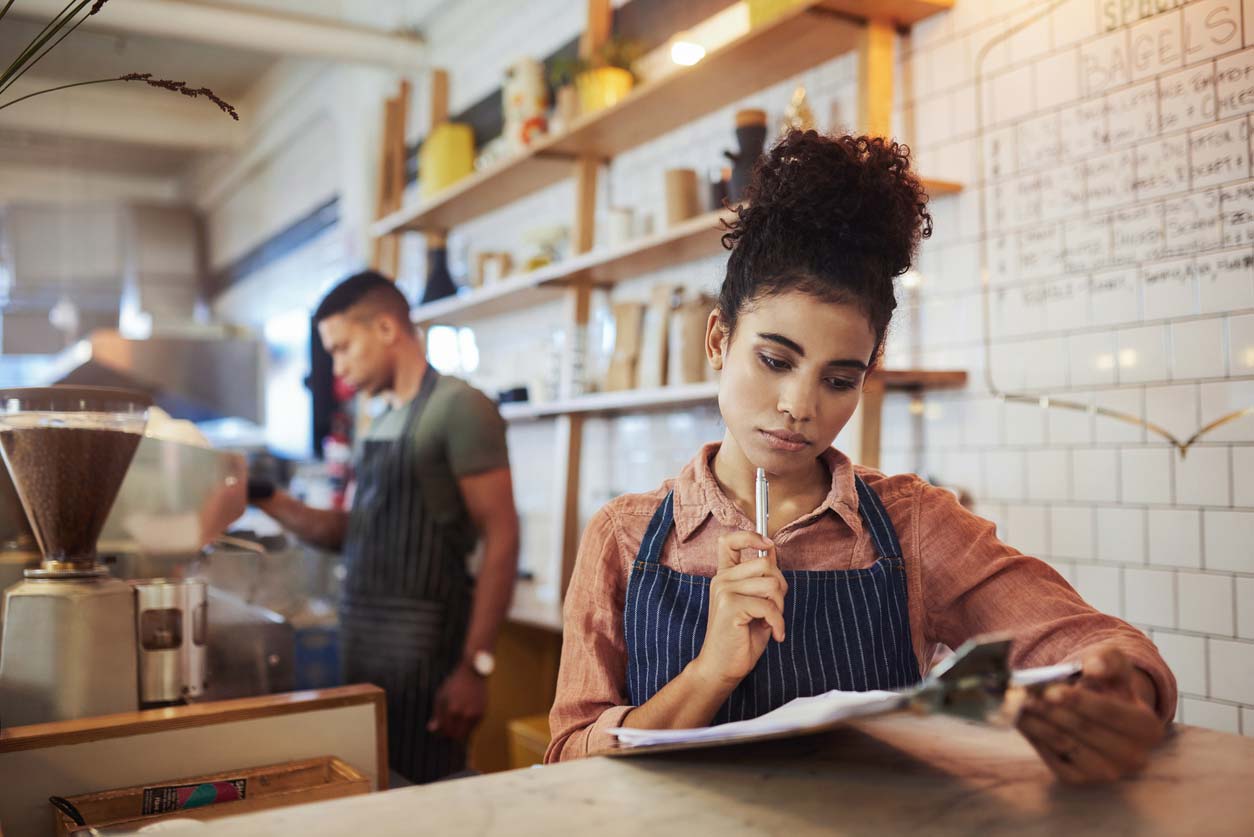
(602, 87)
(447, 155)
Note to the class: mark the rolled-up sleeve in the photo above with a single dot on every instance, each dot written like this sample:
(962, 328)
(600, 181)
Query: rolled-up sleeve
(591, 683)
(973, 583)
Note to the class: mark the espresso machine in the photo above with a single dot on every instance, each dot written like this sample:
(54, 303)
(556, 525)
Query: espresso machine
(69, 646)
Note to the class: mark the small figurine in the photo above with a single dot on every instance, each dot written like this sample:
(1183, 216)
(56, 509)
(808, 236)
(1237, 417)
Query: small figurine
(525, 102)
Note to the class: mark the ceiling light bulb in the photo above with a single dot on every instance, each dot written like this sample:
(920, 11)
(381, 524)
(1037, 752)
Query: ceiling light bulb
(686, 53)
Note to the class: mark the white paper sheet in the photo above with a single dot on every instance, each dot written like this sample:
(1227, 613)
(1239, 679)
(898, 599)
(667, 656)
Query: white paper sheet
(794, 715)
(806, 712)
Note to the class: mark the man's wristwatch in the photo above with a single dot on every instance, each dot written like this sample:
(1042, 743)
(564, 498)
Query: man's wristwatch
(483, 663)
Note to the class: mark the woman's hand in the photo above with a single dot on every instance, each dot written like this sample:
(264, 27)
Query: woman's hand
(746, 609)
(1099, 730)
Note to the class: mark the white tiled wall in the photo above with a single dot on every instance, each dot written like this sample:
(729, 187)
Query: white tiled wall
(1119, 190)
(1117, 203)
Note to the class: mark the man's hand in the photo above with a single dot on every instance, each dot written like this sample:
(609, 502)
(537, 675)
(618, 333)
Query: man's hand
(1098, 730)
(460, 703)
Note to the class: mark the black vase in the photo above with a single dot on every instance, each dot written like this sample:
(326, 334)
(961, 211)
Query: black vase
(752, 140)
(439, 280)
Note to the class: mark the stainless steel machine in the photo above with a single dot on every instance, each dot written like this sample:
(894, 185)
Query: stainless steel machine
(103, 610)
(69, 644)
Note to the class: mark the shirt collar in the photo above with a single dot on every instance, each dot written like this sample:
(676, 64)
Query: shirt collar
(698, 495)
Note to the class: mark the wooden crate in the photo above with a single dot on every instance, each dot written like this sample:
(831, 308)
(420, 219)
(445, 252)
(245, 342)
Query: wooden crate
(528, 739)
(272, 786)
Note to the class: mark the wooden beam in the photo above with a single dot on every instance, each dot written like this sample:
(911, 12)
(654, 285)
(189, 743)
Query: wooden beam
(597, 31)
(264, 31)
(385, 250)
(439, 97)
(872, 409)
(877, 54)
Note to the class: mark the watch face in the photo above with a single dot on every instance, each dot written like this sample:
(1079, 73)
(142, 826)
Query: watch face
(484, 663)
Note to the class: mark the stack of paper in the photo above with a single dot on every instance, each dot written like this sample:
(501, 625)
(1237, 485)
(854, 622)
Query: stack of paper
(808, 713)
(793, 716)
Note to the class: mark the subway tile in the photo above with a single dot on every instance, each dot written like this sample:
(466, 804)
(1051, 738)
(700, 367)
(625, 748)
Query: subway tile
(1071, 532)
(1202, 477)
(1122, 401)
(1092, 358)
(1057, 79)
(1142, 354)
(1046, 365)
(1068, 426)
(1157, 45)
(1206, 603)
(1149, 597)
(1232, 670)
(1099, 586)
(1229, 540)
(1197, 349)
(1025, 424)
(1175, 537)
(1233, 81)
(1049, 475)
(1226, 280)
(1004, 473)
(1211, 28)
(1241, 344)
(1225, 398)
(1175, 408)
(1186, 656)
(1027, 529)
(1145, 475)
(1221, 717)
(1121, 535)
(1095, 474)
(1245, 607)
(983, 422)
(1243, 476)
(1170, 288)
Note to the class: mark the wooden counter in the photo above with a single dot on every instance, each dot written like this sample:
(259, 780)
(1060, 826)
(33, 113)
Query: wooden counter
(892, 775)
(153, 746)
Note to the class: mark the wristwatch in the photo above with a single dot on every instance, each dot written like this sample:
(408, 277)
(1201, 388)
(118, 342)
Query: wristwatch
(483, 663)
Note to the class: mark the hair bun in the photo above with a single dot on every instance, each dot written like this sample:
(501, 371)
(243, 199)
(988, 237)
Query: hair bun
(858, 192)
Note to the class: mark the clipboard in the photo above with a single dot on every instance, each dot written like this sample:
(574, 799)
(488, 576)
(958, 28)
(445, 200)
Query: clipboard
(971, 684)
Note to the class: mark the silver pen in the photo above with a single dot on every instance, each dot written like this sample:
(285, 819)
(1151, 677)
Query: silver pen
(762, 505)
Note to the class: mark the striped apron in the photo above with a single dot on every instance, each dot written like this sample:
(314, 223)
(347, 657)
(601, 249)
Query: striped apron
(406, 601)
(845, 629)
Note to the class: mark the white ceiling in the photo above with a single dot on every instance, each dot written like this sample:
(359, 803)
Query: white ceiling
(89, 54)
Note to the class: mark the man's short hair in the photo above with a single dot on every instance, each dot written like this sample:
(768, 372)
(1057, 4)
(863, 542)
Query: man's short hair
(373, 292)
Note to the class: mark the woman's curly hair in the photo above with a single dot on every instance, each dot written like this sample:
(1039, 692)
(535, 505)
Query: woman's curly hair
(838, 217)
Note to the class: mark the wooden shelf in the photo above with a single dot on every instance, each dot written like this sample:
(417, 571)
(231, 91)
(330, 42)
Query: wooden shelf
(801, 38)
(893, 380)
(693, 239)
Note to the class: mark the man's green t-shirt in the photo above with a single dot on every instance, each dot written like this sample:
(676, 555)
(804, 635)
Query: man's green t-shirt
(459, 433)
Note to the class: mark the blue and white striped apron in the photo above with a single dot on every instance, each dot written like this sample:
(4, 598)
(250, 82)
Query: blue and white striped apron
(845, 629)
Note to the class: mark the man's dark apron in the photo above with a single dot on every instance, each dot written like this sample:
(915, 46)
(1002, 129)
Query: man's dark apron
(406, 599)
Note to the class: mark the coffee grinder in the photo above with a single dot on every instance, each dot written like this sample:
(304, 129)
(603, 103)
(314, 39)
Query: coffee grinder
(69, 644)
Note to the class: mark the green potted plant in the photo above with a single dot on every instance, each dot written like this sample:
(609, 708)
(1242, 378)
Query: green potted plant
(602, 80)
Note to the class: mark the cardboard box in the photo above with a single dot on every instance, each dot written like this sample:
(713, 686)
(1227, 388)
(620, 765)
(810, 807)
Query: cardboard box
(653, 350)
(628, 335)
(257, 788)
(686, 361)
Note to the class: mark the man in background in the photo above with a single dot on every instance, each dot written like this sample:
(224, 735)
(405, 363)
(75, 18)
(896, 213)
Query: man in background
(432, 477)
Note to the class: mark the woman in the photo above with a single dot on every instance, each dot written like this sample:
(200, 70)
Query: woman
(673, 620)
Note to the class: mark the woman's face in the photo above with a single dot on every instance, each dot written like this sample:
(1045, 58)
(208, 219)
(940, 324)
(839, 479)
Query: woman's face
(791, 376)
